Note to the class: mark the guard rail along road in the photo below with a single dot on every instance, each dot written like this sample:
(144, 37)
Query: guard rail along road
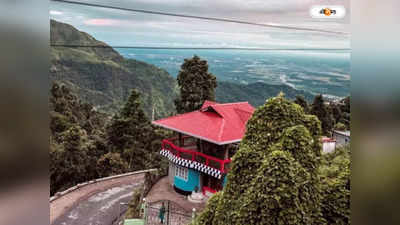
(61, 202)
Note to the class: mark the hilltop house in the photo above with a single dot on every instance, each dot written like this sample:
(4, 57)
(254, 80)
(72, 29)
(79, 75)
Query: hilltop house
(328, 145)
(342, 137)
(200, 155)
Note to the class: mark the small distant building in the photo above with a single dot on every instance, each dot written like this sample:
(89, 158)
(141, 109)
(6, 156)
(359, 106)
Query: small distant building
(328, 145)
(200, 156)
(342, 137)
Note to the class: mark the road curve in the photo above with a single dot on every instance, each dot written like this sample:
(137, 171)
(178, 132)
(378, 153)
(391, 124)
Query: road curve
(96, 203)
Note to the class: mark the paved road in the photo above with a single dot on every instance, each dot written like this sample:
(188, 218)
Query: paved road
(95, 204)
(99, 209)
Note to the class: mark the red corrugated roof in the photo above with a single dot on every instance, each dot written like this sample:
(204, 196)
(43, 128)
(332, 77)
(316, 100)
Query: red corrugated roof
(208, 103)
(214, 122)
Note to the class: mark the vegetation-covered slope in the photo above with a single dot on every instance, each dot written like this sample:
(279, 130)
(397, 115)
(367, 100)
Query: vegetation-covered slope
(102, 77)
(86, 144)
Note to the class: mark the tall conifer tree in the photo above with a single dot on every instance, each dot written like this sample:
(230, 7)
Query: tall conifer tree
(319, 109)
(130, 133)
(301, 101)
(196, 85)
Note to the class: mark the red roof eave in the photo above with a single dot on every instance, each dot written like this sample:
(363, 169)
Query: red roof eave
(216, 123)
(196, 136)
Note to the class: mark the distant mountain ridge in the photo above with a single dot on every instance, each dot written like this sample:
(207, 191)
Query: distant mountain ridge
(103, 78)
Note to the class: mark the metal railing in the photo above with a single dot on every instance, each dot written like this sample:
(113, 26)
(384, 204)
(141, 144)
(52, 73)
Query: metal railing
(99, 180)
(193, 155)
(174, 214)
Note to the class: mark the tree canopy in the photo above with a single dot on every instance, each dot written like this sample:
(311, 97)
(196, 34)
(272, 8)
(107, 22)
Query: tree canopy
(196, 85)
(131, 134)
(274, 177)
(335, 174)
(279, 176)
(319, 109)
(86, 144)
(332, 114)
(301, 101)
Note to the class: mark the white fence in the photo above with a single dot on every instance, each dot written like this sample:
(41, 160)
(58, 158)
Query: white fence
(78, 186)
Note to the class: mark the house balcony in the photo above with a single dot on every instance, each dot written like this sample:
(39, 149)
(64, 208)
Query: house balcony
(184, 152)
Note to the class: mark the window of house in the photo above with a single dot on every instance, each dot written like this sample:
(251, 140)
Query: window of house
(181, 172)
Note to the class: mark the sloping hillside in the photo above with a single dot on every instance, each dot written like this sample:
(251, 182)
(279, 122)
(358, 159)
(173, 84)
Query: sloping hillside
(102, 77)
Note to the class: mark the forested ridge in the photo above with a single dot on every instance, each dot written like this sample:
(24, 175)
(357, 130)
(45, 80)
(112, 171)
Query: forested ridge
(102, 77)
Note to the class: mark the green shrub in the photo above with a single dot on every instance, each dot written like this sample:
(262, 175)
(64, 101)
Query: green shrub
(274, 177)
(335, 173)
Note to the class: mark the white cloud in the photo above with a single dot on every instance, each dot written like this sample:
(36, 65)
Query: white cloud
(55, 13)
(101, 22)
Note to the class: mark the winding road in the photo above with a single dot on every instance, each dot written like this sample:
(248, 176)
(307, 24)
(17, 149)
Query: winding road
(96, 203)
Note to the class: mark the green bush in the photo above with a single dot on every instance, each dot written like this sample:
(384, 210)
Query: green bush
(335, 173)
(207, 216)
(340, 126)
(274, 177)
(134, 207)
(275, 194)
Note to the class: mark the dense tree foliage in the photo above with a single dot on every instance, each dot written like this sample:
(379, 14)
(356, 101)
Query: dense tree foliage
(335, 172)
(332, 114)
(279, 176)
(274, 177)
(275, 194)
(344, 110)
(76, 139)
(111, 164)
(340, 126)
(208, 214)
(301, 101)
(86, 144)
(196, 85)
(319, 109)
(335, 111)
(131, 134)
(135, 204)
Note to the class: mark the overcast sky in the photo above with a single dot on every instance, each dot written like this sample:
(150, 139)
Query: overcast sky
(117, 27)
